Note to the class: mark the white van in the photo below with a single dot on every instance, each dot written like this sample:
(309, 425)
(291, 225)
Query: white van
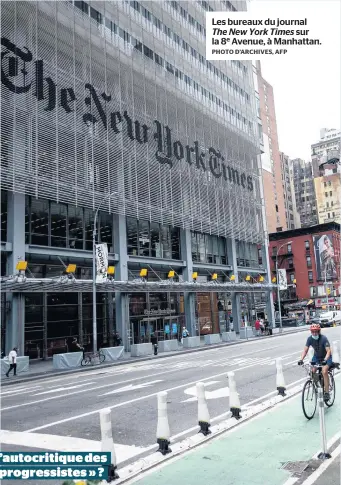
(327, 318)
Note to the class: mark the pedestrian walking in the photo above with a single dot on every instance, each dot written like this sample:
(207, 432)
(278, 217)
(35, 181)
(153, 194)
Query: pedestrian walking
(12, 358)
(153, 340)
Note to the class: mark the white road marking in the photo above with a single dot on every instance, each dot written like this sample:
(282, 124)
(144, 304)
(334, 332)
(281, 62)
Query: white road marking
(64, 443)
(14, 406)
(192, 391)
(131, 387)
(13, 392)
(58, 389)
(322, 468)
(118, 405)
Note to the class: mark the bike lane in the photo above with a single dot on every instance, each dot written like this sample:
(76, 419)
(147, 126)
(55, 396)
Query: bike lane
(254, 452)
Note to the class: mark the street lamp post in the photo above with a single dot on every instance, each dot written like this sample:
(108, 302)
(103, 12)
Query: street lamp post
(278, 290)
(94, 302)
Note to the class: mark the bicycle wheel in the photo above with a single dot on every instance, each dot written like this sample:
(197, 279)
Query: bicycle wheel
(101, 357)
(309, 399)
(85, 361)
(332, 391)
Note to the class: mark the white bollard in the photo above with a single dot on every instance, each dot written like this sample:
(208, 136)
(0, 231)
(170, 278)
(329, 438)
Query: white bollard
(324, 453)
(234, 396)
(335, 354)
(107, 442)
(203, 413)
(280, 383)
(162, 430)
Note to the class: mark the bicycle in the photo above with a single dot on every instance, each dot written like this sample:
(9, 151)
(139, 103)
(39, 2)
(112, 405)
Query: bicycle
(89, 358)
(310, 388)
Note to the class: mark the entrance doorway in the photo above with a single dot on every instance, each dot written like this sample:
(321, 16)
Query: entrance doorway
(164, 328)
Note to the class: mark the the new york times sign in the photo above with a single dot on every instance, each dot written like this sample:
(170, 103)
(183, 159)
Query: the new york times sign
(15, 76)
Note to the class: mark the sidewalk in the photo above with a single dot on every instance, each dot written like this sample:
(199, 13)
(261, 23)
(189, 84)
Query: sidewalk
(41, 369)
(253, 453)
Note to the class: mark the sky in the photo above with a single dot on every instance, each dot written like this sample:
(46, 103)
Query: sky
(306, 87)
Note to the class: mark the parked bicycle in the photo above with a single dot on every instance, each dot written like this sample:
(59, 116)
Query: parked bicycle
(92, 358)
(311, 386)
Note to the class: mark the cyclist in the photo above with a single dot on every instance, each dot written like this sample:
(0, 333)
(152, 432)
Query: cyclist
(322, 354)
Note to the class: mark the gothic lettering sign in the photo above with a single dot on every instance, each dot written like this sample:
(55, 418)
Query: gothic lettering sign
(15, 77)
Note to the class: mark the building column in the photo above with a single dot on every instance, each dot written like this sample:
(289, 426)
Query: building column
(268, 294)
(80, 318)
(121, 274)
(189, 298)
(15, 322)
(232, 259)
(111, 318)
(45, 326)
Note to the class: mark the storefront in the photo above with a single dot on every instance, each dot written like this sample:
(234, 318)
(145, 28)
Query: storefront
(161, 314)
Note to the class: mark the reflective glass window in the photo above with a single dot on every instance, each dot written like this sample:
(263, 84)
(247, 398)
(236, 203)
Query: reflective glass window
(3, 215)
(132, 236)
(105, 229)
(175, 237)
(58, 224)
(39, 222)
(155, 240)
(144, 240)
(88, 224)
(76, 237)
(165, 242)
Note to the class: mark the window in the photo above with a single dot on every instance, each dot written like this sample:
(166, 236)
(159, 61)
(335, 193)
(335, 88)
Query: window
(84, 7)
(88, 226)
(274, 250)
(76, 225)
(313, 291)
(326, 194)
(327, 205)
(58, 224)
(325, 184)
(4, 216)
(96, 15)
(144, 238)
(105, 229)
(289, 249)
(290, 263)
(307, 245)
(328, 215)
(330, 193)
(333, 214)
(332, 203)
(292, 277)
(308, 261)
(329, 183)
(310, 276)
(155, 240)
(39, 222)
(132, 236)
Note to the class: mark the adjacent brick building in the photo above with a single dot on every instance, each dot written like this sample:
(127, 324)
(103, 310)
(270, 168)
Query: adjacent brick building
(312, 259)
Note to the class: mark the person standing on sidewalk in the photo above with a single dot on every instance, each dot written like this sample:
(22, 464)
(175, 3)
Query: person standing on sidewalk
(257, 327)
(12, 358)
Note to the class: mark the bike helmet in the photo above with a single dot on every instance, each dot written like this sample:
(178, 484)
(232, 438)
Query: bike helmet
(315, 326)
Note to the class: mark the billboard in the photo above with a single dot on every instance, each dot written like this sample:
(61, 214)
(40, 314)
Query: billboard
(282, 279)
(325, 257)
(101, 262)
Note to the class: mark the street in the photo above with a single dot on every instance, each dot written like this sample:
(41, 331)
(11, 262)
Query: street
(62, 413)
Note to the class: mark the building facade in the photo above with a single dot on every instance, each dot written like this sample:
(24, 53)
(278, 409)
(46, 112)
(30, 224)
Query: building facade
(311, 257)
(112, 107)
(329, 142)
(271, 160)
(304, 192)
(328, 194)
(288, 192)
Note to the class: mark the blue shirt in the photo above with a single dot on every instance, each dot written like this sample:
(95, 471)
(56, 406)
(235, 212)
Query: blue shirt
(320, 346)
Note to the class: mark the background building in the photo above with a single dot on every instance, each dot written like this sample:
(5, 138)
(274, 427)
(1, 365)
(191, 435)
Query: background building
(271, 161)
(304, 192)
(113, 106)
(328, 195)
(292, 217)
(329, 142)
(313, 260)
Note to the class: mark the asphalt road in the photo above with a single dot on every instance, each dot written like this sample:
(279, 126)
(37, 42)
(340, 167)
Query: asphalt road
(62, 413)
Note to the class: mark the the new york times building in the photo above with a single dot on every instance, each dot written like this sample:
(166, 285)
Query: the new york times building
(113, 105)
